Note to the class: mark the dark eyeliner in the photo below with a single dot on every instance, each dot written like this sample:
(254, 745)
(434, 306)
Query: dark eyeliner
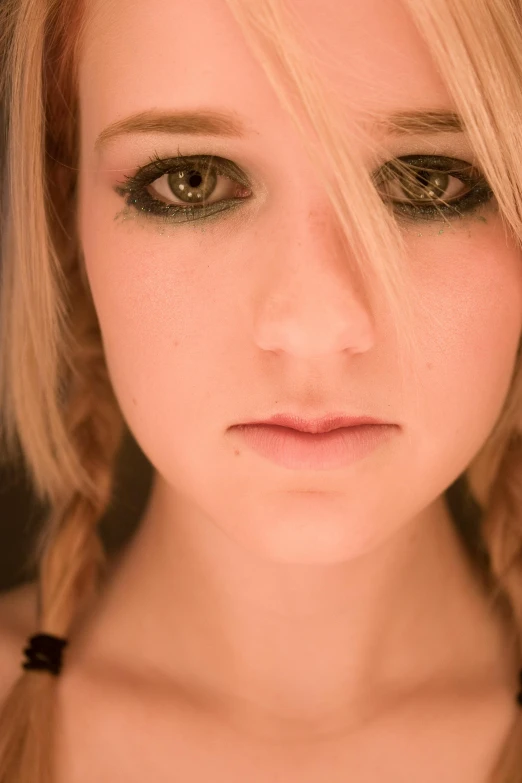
(479, 193)
(138, 198)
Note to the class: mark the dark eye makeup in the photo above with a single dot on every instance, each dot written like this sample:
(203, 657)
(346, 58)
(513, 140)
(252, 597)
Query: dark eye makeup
(420, 181)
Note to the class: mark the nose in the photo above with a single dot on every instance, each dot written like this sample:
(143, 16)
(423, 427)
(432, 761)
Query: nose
(312, 304)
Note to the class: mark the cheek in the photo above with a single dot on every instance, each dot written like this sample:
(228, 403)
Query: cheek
(472, 295)
(158, 308)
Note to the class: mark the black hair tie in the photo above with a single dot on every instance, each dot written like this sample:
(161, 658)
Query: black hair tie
(45, 653)
(519, 695)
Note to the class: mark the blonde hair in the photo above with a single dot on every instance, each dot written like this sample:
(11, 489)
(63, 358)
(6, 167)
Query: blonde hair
(59, 417)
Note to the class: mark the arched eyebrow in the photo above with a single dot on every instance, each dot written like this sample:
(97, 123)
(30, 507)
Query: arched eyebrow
(230, 125)
(201, 123)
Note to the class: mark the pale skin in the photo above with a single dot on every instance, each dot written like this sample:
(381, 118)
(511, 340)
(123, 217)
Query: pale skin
(249, 604)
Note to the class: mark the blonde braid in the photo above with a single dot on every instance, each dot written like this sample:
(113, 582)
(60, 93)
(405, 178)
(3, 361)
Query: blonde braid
(495, 478)
(502, 534)
(69, 551)
(51, 355)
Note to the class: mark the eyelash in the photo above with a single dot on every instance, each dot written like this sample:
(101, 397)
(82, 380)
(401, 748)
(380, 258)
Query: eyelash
(137, 197)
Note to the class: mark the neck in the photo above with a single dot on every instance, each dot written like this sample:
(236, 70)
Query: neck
(315, 645)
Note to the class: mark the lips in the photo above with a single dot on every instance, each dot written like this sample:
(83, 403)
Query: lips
(320, 425)
(297, 450)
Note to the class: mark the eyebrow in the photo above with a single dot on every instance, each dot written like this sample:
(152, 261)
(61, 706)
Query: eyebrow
(199, 123)
(427, 121)
(215, 123)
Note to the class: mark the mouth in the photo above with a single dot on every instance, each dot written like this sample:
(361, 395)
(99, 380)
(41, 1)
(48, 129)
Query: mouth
(316, 426)
(298, 450)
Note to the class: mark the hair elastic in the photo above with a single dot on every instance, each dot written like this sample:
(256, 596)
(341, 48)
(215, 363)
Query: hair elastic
(45, 653)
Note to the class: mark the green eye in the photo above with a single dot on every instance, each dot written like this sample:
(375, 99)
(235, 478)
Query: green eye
(424, 183)
(422, 186)
(192, 180)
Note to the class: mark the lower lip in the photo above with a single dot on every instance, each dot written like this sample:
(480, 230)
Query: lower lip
(324, 451)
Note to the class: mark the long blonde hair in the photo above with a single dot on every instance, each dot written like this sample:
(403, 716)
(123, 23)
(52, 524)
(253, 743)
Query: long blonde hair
(59, 417)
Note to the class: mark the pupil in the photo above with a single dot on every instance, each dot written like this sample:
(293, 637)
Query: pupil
(195, 180)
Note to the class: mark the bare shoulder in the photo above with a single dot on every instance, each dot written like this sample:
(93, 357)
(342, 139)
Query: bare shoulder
(18, 616)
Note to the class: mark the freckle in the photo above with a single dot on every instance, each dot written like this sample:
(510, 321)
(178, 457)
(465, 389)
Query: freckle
(236, 452)
(419, 235)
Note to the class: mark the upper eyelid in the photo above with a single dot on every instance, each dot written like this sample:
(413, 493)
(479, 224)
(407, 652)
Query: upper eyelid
(161, 166)
(467, 172)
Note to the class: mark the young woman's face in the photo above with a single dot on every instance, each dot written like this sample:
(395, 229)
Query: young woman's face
(255, 310)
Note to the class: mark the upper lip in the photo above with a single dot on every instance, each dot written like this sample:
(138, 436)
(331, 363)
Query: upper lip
(323, 424)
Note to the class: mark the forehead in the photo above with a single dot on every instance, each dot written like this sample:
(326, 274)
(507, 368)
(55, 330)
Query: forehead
(170, 54)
